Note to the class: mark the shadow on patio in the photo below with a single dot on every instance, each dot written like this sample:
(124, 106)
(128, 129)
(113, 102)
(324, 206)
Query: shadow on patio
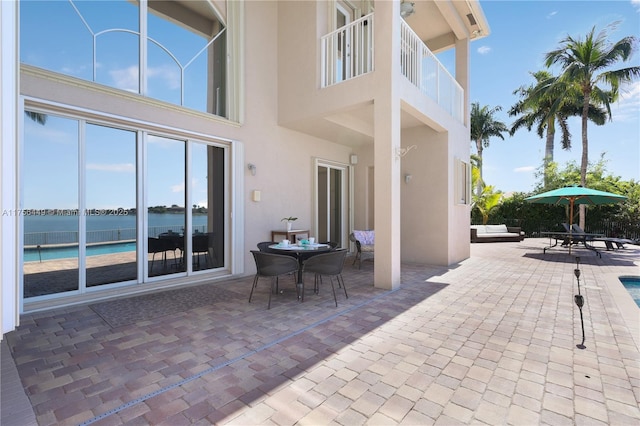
(77, 368)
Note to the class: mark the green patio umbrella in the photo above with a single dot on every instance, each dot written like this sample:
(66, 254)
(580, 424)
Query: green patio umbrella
(572, 195)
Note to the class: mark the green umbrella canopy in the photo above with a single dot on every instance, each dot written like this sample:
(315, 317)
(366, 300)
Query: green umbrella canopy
(571, 195)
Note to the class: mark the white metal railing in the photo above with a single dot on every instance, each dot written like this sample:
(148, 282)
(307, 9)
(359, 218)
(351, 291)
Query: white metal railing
(425, 71)
(348, 51)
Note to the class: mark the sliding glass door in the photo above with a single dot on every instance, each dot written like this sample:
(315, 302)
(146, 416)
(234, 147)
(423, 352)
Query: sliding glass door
(332, 203)
(91, 191)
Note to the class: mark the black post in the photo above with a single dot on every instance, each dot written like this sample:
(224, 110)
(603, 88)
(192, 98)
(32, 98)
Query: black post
(579, 299)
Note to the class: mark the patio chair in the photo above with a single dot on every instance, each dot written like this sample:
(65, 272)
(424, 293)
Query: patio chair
(273, 266)
(203, 244)
(159, 245)
(364, 241)
(608, 241)
(327, 264)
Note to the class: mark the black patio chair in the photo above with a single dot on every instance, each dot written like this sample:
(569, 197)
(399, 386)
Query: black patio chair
(272, 266)
(159, 245)
(327, 264)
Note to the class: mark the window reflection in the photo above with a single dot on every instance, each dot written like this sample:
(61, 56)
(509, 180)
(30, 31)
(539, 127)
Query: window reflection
(110, 169)
(208, 210)
(185, 57)
(50, 202)
(166, 216)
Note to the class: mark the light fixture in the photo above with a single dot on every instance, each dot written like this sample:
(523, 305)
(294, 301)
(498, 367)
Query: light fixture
(407, 178)
(353, 159)
(252, 169)
(406, 9)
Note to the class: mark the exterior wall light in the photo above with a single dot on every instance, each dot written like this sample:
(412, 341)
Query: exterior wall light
(252, 168)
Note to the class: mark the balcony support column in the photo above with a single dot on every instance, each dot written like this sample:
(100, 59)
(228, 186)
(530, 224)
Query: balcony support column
(462, 74)
(387, 143)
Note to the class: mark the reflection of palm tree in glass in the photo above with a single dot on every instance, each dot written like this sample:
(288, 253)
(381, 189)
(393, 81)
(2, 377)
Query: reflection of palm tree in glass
(38, 117)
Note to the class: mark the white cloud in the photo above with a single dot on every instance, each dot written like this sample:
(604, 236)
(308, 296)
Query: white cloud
(483, 50)
(118, 168)
(552, 14)
(177, 188)
(524, 169)
(628, 106)
(126, 79)
(636, 4)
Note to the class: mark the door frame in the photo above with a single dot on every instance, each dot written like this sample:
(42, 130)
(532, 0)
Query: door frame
(347, 197)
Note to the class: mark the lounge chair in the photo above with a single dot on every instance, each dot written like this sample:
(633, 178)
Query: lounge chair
(608, 241)
(365, 245)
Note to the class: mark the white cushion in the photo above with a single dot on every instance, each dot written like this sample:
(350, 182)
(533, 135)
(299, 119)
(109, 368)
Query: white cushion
(482, 229)
(491, 229)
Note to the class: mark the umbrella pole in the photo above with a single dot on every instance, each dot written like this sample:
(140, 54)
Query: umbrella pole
(570, 225)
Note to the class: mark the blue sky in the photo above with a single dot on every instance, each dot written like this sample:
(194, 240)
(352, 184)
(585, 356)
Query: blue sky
(521, 33)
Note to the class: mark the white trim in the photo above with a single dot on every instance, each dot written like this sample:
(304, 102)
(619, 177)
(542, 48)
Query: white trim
(9, 108)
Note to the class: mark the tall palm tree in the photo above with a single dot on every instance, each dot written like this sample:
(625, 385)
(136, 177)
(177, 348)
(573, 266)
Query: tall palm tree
(483, 127)
(538, 106)
(586, 64)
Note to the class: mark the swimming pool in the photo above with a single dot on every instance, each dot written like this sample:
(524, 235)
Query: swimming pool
(632, 284)
(34, 254)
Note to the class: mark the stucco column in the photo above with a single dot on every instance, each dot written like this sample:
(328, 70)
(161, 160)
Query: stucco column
(386, 144)
(462, 73)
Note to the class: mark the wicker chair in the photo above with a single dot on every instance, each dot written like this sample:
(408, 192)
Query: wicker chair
(272, 266)
(328, 264)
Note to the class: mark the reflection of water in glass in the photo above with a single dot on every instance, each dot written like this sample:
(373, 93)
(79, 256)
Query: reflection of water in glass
(59, 229)
(51, 253)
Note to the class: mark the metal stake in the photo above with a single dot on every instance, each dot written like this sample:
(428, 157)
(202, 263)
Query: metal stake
(579, 299)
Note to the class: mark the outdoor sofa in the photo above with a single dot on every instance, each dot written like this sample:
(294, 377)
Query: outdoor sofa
(495, 233)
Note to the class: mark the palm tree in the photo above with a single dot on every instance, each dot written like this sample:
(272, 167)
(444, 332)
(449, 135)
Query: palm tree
(586, 64)
(486, 200)
(483, 127)
(538, 105)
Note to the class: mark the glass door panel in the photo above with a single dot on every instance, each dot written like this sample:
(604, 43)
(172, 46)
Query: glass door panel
(166, 216)
(208, 210)
(331, 204)
(50, 203)
(110, 172)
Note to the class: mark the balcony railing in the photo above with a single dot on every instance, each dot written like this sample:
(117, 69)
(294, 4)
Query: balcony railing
(425, 72)
(348, 51)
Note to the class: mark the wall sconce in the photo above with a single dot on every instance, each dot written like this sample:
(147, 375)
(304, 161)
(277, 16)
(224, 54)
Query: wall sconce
(353, 159)
(406, 9)
(407, 178)
(401, 152)
(252, 169)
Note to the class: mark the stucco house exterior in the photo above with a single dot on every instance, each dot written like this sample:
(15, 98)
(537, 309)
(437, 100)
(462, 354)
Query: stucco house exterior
(225, 117)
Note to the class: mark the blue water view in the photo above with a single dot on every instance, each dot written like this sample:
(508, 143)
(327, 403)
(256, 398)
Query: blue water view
(51, 253)
(50, 229)
(632, 284)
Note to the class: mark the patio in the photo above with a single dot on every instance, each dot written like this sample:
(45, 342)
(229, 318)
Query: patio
(491, 340)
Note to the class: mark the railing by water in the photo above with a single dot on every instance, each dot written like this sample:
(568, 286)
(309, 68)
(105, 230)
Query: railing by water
(427, 73)
(101, 236)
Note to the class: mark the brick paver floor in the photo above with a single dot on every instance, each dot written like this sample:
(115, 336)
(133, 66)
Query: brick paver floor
(492, 340)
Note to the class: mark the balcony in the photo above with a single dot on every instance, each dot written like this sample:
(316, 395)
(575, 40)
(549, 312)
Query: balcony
(348, 52)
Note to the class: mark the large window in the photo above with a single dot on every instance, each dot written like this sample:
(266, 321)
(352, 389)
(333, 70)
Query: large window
(183, 59)
(88, 190)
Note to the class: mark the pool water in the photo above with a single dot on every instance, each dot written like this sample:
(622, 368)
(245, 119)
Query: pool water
(52, 253)
(632, 284)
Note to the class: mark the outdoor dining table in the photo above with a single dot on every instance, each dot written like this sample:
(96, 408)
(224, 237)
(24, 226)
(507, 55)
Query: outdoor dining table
(302, 252)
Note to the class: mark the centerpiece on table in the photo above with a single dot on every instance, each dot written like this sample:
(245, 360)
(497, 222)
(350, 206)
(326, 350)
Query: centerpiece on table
(289, 221)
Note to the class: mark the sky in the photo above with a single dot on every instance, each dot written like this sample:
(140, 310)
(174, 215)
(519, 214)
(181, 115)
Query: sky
(522, 32)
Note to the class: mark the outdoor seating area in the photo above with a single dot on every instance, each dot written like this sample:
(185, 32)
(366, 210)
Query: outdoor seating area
(492, 340)
(496, 233)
